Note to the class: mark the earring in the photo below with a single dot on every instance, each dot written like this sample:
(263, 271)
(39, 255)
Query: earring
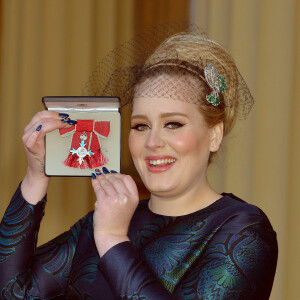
(215, 146)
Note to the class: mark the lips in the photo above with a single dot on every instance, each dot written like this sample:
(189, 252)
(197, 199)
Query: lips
(158, 164)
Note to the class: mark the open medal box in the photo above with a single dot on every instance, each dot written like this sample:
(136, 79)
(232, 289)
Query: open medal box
(94, 142)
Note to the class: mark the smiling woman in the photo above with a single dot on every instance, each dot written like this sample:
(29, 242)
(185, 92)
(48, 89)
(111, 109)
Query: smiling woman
(163, 128)
(187, 241)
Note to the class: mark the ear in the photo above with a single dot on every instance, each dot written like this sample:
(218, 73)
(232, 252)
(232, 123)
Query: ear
(216, 136)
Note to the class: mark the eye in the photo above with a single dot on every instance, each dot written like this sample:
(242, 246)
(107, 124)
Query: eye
(174, 125)
(140, 127)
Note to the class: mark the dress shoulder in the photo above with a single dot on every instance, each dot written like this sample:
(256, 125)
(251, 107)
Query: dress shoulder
(240, 217)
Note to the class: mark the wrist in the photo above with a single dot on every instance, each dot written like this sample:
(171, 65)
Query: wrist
(36, 173)
(104, 242)
(34, 187)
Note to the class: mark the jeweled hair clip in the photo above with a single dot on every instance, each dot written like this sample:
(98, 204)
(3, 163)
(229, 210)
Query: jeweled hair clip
(216, 82)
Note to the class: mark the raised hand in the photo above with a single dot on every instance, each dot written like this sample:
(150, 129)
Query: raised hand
(35, 182)
(117, 199)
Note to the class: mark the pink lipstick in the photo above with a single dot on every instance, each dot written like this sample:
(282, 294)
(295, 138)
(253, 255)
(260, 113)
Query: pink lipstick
(159, 163)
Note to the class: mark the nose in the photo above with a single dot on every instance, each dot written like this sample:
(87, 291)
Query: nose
(154, 140)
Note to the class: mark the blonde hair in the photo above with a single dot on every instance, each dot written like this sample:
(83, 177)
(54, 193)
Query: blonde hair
(188, 54)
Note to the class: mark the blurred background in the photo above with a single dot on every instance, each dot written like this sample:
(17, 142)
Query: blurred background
(50, 48)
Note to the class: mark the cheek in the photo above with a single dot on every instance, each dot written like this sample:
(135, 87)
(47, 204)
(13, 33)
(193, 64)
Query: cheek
(189, 142)
(134, 144)
(131, 143)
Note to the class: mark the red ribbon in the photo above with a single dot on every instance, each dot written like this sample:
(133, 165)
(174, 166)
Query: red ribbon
(93, 130)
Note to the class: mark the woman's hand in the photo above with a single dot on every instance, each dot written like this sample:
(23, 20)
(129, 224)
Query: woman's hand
(117, 199)
(35, 182)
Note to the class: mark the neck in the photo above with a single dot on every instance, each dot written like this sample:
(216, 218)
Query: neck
(188, 202)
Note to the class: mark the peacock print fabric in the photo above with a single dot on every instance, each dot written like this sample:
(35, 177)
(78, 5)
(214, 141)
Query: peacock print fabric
(227, 250)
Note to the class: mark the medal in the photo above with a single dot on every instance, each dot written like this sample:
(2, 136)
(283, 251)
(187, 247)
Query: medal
(81, 151)
(86, 133)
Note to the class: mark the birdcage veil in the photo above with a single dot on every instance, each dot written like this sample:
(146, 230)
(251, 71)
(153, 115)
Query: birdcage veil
(171, 60)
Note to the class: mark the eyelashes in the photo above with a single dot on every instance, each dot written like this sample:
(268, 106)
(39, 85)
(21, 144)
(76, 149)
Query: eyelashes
(169, 125)
(140, 127)
(174, 125)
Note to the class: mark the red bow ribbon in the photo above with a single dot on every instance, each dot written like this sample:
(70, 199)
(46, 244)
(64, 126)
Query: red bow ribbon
(93, 131)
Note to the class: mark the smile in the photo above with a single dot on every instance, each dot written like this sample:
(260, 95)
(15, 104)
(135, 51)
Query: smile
(158, 164)
(161, 162)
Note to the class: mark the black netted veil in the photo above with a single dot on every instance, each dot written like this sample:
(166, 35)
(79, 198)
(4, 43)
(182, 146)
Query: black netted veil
(172, 58)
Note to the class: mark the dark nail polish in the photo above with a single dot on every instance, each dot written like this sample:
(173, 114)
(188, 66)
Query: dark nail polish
(97, 171)
(113, 171)
(63, 115)
(105, 171)
(65, 120)
(93, 176)
(38, 128)
(72, 122)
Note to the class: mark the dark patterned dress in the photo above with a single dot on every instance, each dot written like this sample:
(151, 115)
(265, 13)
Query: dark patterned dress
(227, 250)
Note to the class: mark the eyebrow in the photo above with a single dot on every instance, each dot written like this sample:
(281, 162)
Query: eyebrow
(164, 115)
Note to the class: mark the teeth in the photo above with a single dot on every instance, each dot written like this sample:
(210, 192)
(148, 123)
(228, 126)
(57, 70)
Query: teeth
(161, 161)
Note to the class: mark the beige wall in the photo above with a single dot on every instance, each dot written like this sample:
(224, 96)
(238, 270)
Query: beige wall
(50, 47)
(260, 160)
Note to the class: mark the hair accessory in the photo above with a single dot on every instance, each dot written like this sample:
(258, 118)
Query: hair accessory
(216, 82)
(167, 62)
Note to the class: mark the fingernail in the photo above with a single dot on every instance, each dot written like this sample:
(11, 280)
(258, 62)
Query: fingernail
(72, 122)
(65, 120)
(63, 115)
(97, 171)
(105, 171)
(93, 176)
(113, 171)
(38, 128)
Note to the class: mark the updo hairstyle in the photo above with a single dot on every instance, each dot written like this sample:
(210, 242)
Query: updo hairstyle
(182, 59)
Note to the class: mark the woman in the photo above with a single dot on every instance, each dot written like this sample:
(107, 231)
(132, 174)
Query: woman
(185, 242)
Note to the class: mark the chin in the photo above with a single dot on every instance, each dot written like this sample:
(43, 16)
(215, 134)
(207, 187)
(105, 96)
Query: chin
(160, 188)
(160, 184)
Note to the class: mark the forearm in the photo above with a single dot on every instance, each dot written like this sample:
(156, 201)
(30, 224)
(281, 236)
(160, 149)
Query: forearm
(18, 237)
(130, 276)
(34, 187)
(106, 242)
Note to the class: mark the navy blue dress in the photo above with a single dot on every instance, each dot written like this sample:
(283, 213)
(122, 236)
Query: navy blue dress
(227, 250)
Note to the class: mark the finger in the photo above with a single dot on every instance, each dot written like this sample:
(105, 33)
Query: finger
(107, 187)
(118, 184)
(32, 139)
(130, 185)
(105, 171)
(45, 114)
(48, 125)
(98, 189)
